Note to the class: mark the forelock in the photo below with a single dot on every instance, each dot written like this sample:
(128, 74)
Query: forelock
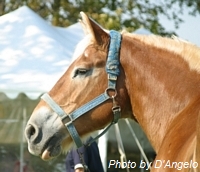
(81, 46)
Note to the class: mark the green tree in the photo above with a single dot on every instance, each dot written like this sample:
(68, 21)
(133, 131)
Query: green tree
(111, 14)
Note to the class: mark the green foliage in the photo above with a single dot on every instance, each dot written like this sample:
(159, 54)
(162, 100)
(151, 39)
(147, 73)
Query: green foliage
(111, 14)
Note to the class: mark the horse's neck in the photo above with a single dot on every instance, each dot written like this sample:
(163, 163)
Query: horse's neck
(160, 84)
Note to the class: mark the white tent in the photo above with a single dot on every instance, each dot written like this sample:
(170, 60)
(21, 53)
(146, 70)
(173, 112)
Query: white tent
(33, 54)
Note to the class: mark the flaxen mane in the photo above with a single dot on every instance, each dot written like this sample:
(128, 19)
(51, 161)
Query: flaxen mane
(189, 52)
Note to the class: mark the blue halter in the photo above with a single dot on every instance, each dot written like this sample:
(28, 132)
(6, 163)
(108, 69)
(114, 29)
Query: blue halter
(112, 69)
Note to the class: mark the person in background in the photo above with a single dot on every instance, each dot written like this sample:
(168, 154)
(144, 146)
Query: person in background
(84, 159)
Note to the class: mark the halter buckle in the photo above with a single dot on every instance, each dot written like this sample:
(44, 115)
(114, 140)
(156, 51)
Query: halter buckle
(116, 114)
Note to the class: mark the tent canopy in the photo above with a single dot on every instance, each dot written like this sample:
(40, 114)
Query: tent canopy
(33, 54)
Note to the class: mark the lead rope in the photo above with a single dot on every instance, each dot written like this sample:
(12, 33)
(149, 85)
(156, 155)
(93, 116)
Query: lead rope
(137, 142)
(81, 157)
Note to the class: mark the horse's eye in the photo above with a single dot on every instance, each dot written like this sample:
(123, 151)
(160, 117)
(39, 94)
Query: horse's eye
(80, 72)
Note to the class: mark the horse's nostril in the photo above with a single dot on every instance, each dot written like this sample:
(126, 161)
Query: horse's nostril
(31, 133)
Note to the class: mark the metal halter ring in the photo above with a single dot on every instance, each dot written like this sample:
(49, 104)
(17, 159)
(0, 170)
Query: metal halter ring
(112, 90)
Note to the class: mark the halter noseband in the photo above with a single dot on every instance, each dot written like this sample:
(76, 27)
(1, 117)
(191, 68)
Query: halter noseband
(112, 69)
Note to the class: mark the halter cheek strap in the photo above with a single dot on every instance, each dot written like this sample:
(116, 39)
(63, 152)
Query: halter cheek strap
(112, 69)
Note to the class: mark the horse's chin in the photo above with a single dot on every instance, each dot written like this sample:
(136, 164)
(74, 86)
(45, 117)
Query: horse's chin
(51, 153)
(51, 149)
(54, 148)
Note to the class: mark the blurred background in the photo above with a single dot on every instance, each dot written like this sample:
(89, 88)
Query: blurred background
(37, 40)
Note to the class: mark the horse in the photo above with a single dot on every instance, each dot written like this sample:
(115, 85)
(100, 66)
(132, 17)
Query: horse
(151, 79)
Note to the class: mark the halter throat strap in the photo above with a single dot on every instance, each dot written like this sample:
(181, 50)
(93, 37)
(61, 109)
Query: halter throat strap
(112, 69)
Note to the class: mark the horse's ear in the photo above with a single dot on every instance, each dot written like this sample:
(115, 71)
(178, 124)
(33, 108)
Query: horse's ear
(98, 35)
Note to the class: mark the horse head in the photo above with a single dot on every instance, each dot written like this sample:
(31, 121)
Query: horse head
(84, 80)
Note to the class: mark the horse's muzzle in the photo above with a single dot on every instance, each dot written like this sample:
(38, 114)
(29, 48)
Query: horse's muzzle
(44, 134)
